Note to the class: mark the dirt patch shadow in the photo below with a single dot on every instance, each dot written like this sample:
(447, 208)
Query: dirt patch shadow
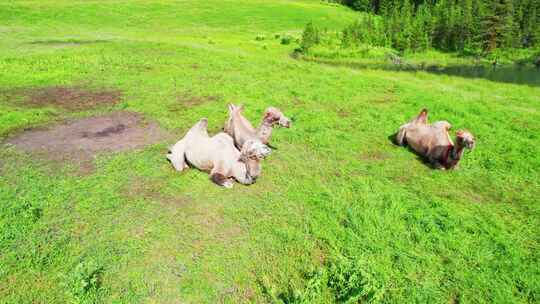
(374, 155)
(67, 42)
(186, 100)
(150, 190)
(81, 140)
(70, 98)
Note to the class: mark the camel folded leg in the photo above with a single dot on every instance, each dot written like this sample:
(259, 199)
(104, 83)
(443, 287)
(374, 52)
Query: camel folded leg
(436, 164)
(220, 179)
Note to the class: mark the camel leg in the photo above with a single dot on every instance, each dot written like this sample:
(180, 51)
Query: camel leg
(177, 156)
(217, 176)
(436, 164)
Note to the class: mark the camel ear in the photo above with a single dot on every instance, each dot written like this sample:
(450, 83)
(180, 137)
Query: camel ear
(267, 115)
(240, 108)
(231, 107)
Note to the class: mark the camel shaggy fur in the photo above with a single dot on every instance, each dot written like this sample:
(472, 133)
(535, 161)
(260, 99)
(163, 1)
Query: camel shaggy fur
(241, 129)
(218, 155)
(433, 141)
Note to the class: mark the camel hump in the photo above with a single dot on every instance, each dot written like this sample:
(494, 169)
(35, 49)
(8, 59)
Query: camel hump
(203, 123)
(422, 117)
(442, 124)
(200, 126)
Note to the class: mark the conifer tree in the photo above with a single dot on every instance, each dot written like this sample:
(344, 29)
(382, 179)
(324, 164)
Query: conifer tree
(497, 26)
(453, 25)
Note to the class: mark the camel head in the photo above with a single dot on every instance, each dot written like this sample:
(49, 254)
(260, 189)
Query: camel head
(254, 149)
(274, 116)
(252, 153)
(465, 139)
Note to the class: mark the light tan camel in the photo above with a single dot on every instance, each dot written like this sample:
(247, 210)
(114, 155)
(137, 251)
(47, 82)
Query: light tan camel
(433, 141)
(218, 155)
(241, 129)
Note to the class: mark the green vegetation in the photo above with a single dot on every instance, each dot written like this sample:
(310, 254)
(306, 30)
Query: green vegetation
(454, 25)
(340, 213)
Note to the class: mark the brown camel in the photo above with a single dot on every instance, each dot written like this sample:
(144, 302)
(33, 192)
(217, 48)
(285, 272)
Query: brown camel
(433, 141)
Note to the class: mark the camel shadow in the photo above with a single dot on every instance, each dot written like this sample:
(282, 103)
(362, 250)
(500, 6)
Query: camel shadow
(420, 158)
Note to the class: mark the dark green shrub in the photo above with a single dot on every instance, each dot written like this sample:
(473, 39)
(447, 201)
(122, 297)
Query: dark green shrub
(310, 37)
(286, 39)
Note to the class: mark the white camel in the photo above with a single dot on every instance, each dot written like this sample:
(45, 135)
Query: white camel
(241, 129)
(218, 155)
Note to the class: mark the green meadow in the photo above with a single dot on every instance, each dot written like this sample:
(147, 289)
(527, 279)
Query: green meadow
(339, 215)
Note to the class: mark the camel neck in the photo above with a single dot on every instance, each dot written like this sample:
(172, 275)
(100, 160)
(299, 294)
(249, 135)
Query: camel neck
(265, 131)
(453, 155)
(457, 152)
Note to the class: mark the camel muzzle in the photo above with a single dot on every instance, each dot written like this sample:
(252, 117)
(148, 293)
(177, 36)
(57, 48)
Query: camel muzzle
(285, 122)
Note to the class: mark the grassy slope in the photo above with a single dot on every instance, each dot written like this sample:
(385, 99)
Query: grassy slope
(339, 214)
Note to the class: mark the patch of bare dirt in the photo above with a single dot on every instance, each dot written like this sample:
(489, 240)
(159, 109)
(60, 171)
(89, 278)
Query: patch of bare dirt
(150, 190)
(384, 99)
(70, 98)
(80, 140)
(374, 155)
(187, 101)
(343, 113)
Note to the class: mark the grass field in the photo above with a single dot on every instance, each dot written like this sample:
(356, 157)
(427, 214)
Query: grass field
(340, 214)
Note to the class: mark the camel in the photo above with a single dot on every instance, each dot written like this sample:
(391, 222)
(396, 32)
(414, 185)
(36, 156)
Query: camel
(218, 156)
(241, 129)
(433, 141)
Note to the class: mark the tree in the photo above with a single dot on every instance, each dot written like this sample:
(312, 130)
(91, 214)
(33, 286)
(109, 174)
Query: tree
(453, 25)
(497, 26)
(467, 24)
(530, 27)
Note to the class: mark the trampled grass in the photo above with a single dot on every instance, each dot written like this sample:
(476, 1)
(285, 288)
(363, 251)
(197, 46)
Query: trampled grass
(340, 214)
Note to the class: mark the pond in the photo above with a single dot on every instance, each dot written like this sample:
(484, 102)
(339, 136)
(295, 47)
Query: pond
(518, 74)
(506, 73)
